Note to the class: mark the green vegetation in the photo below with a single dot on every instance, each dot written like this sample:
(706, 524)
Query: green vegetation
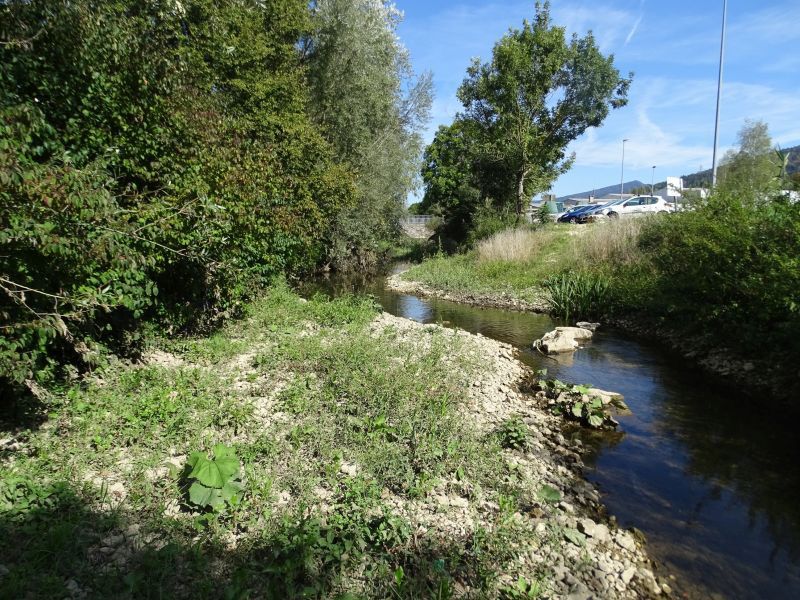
(372, 108)
(538, 93)
(571, 294)
(163, 161)
(267, 460)
(513, 434)
(724, 274)
(575, 402)
(214, 482)
(514, 262)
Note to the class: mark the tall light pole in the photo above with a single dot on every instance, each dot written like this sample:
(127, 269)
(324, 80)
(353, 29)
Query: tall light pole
(622, 173)
(719, 93)
(652, 181)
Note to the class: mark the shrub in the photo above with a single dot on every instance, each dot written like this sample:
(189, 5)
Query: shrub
(487, 221)
(146, 171)
(733, 260)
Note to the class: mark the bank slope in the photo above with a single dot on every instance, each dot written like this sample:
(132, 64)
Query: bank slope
(314, 448)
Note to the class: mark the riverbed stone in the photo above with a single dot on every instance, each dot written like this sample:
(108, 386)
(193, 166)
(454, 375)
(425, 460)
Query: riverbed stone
(628, 574)
(562, 340)
(626, 542)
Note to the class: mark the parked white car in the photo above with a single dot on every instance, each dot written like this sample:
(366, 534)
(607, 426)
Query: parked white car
(639, 205)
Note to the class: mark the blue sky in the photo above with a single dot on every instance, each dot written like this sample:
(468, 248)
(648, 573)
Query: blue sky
(672, 46)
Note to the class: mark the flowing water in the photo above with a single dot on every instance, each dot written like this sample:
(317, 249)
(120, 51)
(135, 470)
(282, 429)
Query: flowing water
(710, 479)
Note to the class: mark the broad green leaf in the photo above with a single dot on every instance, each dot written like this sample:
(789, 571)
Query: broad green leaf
(595, 420)
(207, 473)
(574, 536)
(230, 492)
(199, 494)
(214, 473)
(577, 409)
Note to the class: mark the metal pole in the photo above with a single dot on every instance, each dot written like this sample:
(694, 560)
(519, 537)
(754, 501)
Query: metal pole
(622, 170)
(719, 93)
(652, 181)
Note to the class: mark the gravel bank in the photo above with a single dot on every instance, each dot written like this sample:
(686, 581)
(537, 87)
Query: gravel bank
(396, 283)
(572, 539)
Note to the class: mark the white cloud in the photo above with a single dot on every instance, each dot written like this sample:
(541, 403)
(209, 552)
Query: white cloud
(633, 30)
(768, 24)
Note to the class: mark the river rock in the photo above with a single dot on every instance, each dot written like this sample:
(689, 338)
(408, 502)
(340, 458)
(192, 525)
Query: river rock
(587, 325)
(628, 574)
(562, 339)
(626, 542)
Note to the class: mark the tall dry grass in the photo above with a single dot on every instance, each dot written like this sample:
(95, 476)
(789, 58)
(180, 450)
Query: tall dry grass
(610, 241)
(516, 245)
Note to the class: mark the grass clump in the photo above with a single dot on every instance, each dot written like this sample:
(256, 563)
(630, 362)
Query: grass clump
(577, 294)
(521, 244)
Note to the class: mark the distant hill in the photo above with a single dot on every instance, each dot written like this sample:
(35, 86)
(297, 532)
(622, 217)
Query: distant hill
(692, 180)
(611, 189)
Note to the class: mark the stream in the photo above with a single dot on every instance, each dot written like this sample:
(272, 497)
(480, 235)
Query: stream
(712, 480)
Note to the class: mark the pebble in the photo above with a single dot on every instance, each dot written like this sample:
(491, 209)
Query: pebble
(349, 468)
(628, 574)
(587, 526)
(626, 542)
(459, 502)
(560, 572)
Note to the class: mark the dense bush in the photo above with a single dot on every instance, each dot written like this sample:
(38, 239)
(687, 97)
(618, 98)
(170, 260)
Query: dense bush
(732, 267)
(156, 159)
(487, 221)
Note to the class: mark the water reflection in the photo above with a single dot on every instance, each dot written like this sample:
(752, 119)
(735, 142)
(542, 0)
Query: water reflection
(711, 479)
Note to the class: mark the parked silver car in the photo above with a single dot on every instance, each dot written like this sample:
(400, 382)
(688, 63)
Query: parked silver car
(639, 205)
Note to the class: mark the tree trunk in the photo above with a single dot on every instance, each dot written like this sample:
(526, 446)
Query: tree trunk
(521, 192)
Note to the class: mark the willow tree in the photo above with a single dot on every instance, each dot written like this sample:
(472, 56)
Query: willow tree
(537, 94)
(372, 106)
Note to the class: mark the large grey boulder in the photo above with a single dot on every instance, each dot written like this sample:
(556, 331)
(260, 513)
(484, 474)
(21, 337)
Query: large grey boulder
(562, 339)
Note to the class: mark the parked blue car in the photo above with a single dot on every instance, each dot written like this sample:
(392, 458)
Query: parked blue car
(573, 214)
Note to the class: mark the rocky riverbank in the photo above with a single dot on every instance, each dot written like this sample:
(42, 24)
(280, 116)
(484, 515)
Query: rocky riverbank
(572, 537)
(488, 299)
(352, 452)
(752, 376)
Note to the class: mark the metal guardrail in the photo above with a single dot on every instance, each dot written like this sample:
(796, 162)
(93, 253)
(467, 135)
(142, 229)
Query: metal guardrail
(417, 220)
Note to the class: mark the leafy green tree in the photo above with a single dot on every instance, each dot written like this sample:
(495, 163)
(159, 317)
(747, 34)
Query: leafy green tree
(157, 159)
(537, 94)
(371, 105)
(462, 186)
(448, 173)
(754, 169)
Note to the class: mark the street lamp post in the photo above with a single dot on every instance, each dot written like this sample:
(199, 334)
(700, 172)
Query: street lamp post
(622, 170)
(652, 181)
(719, 93)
